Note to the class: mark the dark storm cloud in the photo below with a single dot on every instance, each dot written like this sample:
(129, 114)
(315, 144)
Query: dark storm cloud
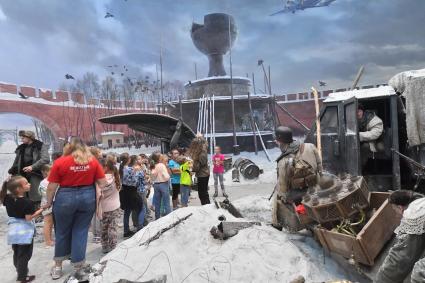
(47, 39)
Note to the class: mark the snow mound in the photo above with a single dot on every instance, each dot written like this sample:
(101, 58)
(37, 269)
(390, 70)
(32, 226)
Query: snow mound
(255, 208)
(188, 253)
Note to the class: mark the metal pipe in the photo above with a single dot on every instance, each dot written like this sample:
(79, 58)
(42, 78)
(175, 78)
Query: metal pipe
(181, 107)
(235, 142)
(162, 88)
(262, 143)
(252, 117)
(274, 100)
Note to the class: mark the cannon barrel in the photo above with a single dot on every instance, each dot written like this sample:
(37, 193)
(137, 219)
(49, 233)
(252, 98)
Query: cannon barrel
(247, 168)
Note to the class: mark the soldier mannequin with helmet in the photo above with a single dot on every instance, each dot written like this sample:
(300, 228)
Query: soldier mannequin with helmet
(31, 155)
(298, 168)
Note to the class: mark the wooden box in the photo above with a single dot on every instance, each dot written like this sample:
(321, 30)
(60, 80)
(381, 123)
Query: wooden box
(371, 239)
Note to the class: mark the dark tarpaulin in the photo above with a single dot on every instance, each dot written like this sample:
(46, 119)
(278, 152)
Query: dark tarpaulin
(158, 125)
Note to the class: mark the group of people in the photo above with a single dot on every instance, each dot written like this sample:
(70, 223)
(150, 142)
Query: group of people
(84, 188)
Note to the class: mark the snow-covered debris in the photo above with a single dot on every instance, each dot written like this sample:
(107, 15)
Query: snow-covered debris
(361, 93)
(412, 86)
(188, 253)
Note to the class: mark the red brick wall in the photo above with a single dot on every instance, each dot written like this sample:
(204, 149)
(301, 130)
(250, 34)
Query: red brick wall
(62, 96)
(9, 88)
(77, 97)
(46, 94)
(28, 91)
(303, 95)
(92, 101)
(326, 93)
(105, 102)
(292, 96)
(117, 104)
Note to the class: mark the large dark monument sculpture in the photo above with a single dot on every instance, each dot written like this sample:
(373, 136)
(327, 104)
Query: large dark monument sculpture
(214, 38)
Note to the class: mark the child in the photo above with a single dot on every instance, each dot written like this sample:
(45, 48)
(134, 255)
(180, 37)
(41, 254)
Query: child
(47, 214)
(21, 212)
(218, 171)
(110, 203)
(185, 180)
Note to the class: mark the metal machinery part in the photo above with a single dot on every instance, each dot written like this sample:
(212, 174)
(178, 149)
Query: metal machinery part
(335, 199)
(226, 230)
(247, 168)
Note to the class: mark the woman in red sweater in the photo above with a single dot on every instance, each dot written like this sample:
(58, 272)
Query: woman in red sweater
(72, 181)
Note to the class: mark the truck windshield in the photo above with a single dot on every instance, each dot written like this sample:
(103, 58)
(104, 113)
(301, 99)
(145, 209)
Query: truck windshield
(329, 121)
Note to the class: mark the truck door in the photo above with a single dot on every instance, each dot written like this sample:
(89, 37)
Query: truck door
(351, 136)
(330, 132)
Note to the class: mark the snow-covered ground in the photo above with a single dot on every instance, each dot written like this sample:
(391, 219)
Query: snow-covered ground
(188, 252)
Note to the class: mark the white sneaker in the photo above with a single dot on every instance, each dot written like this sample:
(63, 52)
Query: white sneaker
(56, 272)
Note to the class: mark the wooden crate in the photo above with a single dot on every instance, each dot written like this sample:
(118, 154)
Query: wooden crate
(371, 239)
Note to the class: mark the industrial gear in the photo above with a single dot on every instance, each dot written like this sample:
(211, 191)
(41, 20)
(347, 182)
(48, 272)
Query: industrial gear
(284, 135)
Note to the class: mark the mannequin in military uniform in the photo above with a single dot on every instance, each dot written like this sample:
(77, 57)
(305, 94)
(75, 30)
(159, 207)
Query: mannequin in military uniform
(298, 168)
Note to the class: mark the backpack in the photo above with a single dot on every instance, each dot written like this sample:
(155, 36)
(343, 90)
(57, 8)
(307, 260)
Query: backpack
(302, 168)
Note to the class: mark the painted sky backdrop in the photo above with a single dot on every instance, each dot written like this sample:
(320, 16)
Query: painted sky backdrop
(41, 41)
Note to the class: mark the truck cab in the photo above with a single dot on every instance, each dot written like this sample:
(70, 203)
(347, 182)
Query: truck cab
(341, 146)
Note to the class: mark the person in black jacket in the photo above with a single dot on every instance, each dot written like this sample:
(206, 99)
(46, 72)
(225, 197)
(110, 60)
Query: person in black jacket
(198, 150)
(31, 155)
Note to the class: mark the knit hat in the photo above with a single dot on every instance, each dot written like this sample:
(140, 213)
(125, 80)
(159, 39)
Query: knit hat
(27, 134)
(413, 221)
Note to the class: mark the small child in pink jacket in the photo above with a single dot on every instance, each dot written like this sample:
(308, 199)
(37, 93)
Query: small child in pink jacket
(110, 206)
(218, 171)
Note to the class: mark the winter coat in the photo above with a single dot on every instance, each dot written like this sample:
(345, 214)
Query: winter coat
(408, 248)
(283, 213)
(110, 196)
(200, 165)
(374, 129)
(40, 157)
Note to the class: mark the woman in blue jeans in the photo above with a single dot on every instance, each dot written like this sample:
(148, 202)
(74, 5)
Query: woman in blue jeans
(72, 185)
(130, 200)
(161, 184)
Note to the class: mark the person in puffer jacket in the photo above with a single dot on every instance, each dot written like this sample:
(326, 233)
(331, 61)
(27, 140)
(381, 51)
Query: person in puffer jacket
(110, 204)
(371, 128)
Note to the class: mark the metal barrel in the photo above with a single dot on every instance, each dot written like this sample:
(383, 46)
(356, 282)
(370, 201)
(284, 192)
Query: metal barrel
(247, 168)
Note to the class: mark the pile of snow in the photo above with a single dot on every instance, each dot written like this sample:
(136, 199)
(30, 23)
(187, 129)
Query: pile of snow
(255, 208)
(188, 253)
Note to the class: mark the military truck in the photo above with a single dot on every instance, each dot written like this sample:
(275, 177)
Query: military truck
(399, 164)
(396, 166)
